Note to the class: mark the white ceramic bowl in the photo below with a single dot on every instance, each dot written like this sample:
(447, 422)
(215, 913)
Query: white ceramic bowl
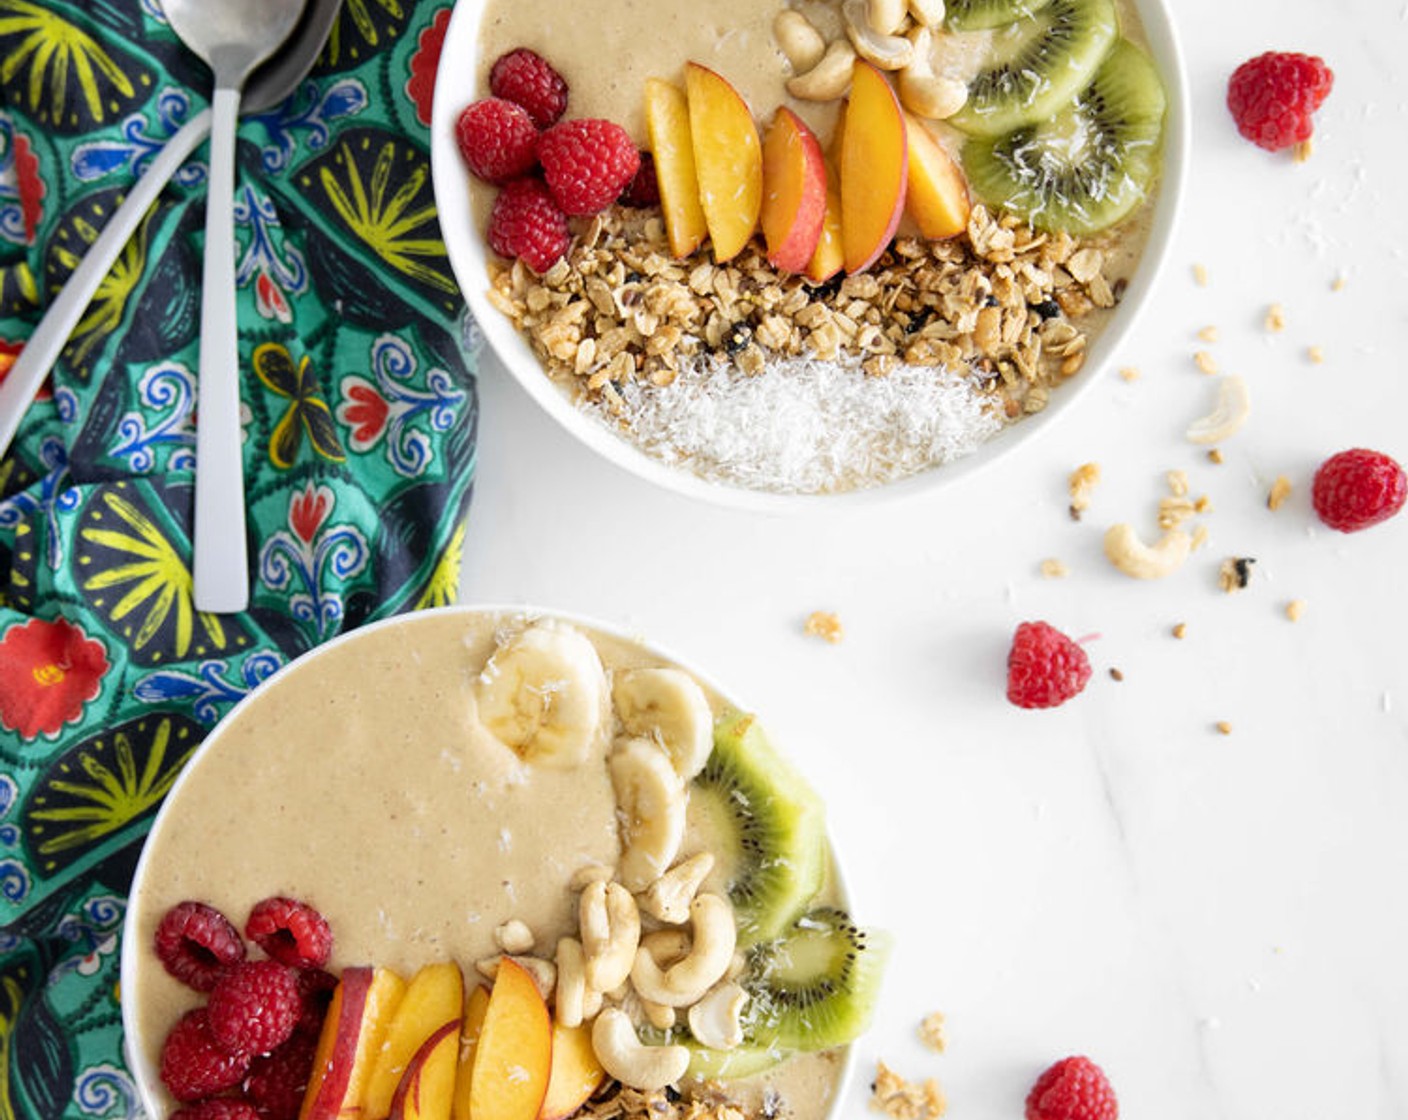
(136, 939)
(469, 256)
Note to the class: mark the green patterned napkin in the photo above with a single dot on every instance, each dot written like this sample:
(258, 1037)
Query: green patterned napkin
(359, 439)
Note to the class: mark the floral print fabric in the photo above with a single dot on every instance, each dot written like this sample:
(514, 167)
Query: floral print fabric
(359, 432)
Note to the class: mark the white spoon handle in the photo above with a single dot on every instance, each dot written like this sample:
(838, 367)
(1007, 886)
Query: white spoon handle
(220, 569)
(43, 347)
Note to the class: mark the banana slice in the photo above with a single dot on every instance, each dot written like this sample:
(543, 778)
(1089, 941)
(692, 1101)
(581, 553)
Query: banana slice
(667, 705)
(650, 805)
(544, 695)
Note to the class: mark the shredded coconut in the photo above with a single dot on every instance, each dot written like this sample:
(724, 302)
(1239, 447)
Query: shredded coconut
(806, 426)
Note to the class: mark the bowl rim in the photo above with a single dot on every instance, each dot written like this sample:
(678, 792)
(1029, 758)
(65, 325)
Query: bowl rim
(469, 257)
(144, 1073)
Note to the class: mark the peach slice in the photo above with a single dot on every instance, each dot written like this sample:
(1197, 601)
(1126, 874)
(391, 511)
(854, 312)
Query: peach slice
(475, 1008)
(513, 1059)
(434, 996)
(728, 159)
(937, 195)
(829, 257)
(794, 191)
(362, 1006)
(427, 1088)
(874, 167)
(667, 122)
(575, 1075)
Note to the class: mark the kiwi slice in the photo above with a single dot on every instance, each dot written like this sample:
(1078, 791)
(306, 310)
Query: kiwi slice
(814, 987)
(979, 15)
(1037, 65)
(765, 826)
(1088, 166)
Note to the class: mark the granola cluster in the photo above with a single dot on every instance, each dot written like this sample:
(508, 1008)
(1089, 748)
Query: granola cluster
(1004, 300)
(622, 1103)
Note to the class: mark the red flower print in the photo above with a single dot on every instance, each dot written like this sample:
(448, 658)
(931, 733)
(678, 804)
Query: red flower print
(364, 410)
(48, 671)
(424, 63)
(308, 511)
(31, 186)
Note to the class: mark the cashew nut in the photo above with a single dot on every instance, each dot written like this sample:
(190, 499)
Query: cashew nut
(544, 973)
(661, 1016)
(1234, 405)
(1133, 557)
(620, 1052)
(514, 936)
(885, 17)
(801, 42)
(668, 898)
(922, 91)
(571, 994)
(828, 79)
(716, 1021)
(610, 928)
(714, 936)
(889, 52)
(927, 13)
(590, 873)
(650, 805)
(666, 945)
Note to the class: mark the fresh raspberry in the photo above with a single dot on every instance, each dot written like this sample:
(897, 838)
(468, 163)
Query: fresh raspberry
(1273, 96)
(587, 163)
(193, 1064)
(497, 139)
(526, 223)
(277, 1081)
(1072, 1089)
(291, 932)
(196, 943)
(315, 988)
(217, 1108)
(644, 189)
(1044, 667)
(527, 79)
(1358, 488)
(255, 1007)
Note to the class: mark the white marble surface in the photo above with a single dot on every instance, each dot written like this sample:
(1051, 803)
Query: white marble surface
(1220, 921)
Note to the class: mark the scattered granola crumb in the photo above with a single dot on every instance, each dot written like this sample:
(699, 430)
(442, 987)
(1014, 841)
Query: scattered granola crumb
(1203, 504)
(932, 1033)
(1208, 334)
(1205, 362)
(1302, 151)
(1235, 573)
(1130, 374)
(1116, 675)
(1081, 484)
(1180, 630)
(825, 624)
(1294, 609)
(906, 1100)
(1177, 483)
(1275, 318)
(1338, 283)
(1173, 512)
(1200, 538)
(1200, 275)
(1315, 354)
(1051, 568)
(1280, 491)
(1215, 455)
(1223, 727)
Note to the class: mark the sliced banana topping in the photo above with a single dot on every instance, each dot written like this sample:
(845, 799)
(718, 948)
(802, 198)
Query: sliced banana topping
(650, 807)
(667, 705)
(543, 694)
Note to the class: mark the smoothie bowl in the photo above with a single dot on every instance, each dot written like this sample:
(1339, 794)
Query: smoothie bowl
(494, 862)
(847, 246)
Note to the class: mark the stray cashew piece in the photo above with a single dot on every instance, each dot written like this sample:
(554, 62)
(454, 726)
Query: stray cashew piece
(928, 13)
(716, 1021)
(514, 936)
(1133, 557)
(889, 52)
(1234, 405)
(610, 927)
(714, 937)
(668, 898)
(885, 17)
(620, 1052)
(828, 79)
(571, 995)
(798, 39)
(923, 92)
(544, 973)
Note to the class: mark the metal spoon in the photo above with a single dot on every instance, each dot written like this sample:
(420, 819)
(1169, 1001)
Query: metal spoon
(270, 84)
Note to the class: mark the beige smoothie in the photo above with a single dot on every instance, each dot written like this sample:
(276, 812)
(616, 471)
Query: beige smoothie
(364, 781)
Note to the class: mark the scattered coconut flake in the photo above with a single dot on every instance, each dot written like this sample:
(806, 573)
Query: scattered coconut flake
(805, 426)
